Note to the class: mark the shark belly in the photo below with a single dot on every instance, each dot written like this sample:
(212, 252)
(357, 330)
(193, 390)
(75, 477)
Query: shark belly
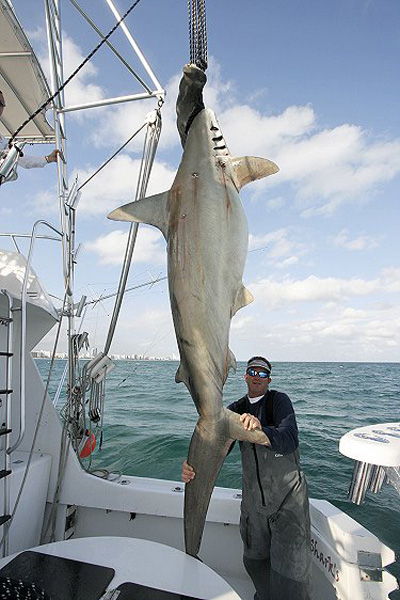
(207, 246)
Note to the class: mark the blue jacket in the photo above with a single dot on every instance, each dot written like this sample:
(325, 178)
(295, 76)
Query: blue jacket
(270, 473)
(279, 424)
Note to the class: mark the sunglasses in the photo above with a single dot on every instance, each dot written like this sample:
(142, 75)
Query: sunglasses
(254, 373)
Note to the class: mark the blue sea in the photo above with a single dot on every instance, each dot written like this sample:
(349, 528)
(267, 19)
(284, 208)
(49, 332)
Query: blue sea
(149, 420)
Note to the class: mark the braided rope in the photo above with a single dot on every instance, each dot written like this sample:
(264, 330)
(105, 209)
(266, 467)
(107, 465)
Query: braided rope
(197, 33)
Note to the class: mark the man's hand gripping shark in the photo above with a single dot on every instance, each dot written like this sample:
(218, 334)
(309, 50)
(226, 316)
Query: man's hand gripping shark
(203, 222)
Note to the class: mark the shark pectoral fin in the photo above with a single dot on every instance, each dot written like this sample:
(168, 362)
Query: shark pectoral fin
(208, 448)
(236, 431)
(243, 298)
(151, 210)
(250, 168)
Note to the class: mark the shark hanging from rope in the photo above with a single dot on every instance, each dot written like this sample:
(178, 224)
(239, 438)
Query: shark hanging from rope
(203, 222)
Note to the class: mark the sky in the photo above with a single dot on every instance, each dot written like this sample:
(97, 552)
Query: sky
(313, 86)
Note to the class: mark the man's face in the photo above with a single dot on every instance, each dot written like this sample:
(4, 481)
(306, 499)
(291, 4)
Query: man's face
(256, 385)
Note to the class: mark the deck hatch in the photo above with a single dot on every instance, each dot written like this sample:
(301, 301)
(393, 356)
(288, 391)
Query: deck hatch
(135, 591)
(60, 578)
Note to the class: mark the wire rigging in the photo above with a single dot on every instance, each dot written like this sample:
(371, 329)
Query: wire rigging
(83, 63)
(198, 33)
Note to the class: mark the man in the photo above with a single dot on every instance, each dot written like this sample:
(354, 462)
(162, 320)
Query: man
(27, 162)
(274, 521)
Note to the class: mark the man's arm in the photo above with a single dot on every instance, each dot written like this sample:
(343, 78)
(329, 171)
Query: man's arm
(284, 436)
(37, 162)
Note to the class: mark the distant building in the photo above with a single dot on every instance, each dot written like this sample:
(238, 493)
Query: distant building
(92, 353)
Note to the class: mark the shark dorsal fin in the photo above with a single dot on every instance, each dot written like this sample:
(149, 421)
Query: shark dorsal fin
(243, 298)
(151, 210)
(250, 168)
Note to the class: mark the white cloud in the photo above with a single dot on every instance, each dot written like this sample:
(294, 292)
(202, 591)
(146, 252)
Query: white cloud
(116, 184)
(272, 294)
(288, 262)
(362, 242)
(110, 248)
(45, 202)
(275, 203)
(281, 249)
(242, 322)
(81, 89)
(391, 279)
(325, 167)
(150, 332)
(331, 333)
(250, 132)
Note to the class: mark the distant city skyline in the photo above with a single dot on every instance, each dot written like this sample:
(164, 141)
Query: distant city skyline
(89, 355)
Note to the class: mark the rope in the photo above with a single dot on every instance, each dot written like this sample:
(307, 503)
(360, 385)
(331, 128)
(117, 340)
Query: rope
(83, 63)
(197, 33)
(203, 38)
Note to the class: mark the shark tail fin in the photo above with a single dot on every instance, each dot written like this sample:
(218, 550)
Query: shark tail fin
(210, 443)
(250, 168)
(207, 451)
(151, 210)
(236, 431)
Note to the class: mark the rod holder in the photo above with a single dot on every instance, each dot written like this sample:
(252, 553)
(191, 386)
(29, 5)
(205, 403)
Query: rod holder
(377, 479)
(360, 481)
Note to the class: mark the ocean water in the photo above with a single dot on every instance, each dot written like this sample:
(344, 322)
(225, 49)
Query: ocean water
(149, 420)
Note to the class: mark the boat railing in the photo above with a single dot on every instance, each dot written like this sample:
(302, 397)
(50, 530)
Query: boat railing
(5, 430)
(22, 347)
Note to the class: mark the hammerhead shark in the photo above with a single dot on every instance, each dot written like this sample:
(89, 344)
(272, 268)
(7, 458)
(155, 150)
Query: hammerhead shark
(204, 224)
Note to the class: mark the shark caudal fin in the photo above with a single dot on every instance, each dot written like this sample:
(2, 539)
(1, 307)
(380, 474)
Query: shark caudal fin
(210, 443)
(151, 210)
(249, 168)
(207, 451)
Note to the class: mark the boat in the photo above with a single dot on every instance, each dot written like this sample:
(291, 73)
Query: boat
(67, 532)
